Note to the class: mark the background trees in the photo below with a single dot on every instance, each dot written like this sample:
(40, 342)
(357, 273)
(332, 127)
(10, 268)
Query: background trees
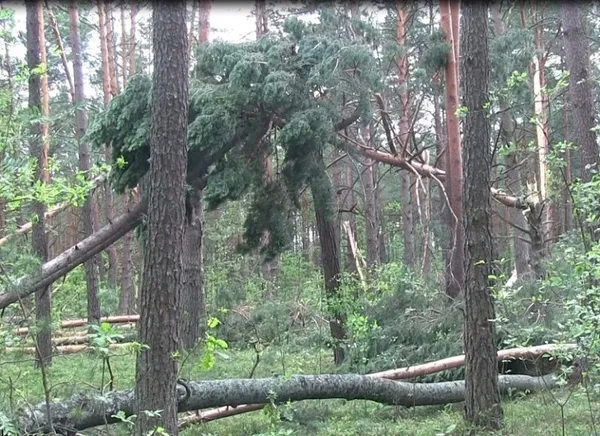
(332, 144)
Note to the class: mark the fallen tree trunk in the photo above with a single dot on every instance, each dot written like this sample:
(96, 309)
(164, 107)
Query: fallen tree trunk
(25, 228)
(81, 412)
(458, 361)
(73, 323)
(79, 253)
(393, 374)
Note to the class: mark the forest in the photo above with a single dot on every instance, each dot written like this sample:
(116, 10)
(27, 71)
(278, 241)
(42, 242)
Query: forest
(311, 218)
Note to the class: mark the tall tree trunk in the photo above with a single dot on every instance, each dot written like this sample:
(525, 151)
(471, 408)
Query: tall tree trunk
(349, 204)
(541, 104)
(381, 249)
(156, 372)
(204, 27)
(454, 176)
(43, 299)
(261, 18)
(577, 55)
(193, 298)
(482, 395)
(405, 140)
(521, 247)
(81, 123)
(111, 65)
(568, 205)
(370, 213)
(330, 255)
(193, 311)
(132, 29)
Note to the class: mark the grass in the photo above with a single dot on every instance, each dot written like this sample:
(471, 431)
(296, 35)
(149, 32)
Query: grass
(538, 414)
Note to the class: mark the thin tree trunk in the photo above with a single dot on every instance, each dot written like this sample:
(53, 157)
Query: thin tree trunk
(81, 123)
(132, 29)
(156, 372)
(454, 177)
(111, 68)
(330, 254)
(482, 394)
(38, 149)
(369, 211)
(204, 27)
(261, 18)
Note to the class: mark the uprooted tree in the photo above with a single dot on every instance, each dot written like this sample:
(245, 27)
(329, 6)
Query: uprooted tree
(290, 96)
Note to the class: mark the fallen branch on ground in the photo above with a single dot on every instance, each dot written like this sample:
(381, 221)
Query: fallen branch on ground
(81, 412)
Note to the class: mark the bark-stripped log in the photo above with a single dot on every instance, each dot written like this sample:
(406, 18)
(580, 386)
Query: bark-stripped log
(80, 412)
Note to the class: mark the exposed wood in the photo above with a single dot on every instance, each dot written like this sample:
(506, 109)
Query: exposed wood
(73, 323)
(62, 349)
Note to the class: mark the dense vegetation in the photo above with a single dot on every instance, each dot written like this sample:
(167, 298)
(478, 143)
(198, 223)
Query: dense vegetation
(319, 173)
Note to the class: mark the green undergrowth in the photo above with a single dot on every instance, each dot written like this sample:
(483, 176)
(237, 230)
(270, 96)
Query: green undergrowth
(533, 414)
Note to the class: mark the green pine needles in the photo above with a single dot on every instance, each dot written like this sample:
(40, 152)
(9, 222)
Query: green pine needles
(280, 96)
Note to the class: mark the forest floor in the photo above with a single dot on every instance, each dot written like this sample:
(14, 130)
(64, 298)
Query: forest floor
(524, 415)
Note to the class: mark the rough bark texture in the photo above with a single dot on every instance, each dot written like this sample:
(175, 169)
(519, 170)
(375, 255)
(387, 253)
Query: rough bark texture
(482, 396)
(193, 309)
(330, 256)
(520, 246)
(81, 123)
(43, 302)
(577, 55)
(82, 411)
(156, 372)
(454, 176)
(127, 294)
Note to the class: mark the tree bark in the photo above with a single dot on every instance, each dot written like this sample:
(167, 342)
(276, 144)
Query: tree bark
(370, 213)
(204, 27)
(482, 395)
(43, 296)
(262, 27)
(193, 310)
(127, 294)
(454, 176)
(111, 69)
(81, 124)
(408, 225)
(330, 256)
(156, 371)
(577, 55)
(92, 411)
(521, 247)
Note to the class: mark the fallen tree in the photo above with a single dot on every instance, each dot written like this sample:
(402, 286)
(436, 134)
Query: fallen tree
(85, 411)
(74, 256)
(392, 374)
(25, 228)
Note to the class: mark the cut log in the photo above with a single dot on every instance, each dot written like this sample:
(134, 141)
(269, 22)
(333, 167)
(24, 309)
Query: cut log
(82, 412)
(127, 320)
(79, 253)
(25, 228)
(61, 349)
